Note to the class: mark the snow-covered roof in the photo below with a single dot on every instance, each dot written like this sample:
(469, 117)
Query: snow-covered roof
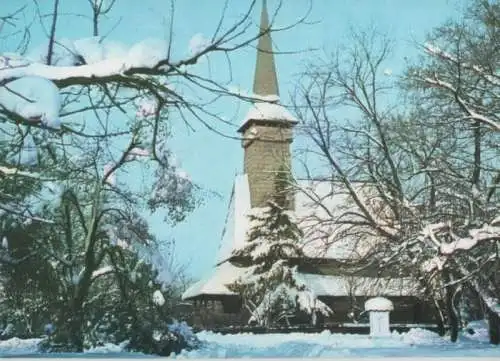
(234, 233)
(324, 285)
(320, 285)
(268, 111)
(324, 234)
(216, 283)
(379, 304)
(320, 207)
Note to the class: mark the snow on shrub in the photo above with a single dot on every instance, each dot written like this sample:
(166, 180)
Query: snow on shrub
(185, 331)
(418, 336)
(477, 331)
(17, 346)
(158, 298)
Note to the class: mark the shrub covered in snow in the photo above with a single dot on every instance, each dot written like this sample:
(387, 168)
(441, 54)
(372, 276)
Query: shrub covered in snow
(477, 330)
(164, 340)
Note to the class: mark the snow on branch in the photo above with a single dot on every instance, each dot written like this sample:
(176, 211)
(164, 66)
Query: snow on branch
(436, 82)
(146, 57)
(435, 263)
(433, 232)
(31, 97)
(102, 271)
(480, 235)
(492, 79)
(103, 62)
(483, 72)
(8, 171)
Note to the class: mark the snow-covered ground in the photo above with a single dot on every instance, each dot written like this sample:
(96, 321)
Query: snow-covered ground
(16, 347)
(417, 342)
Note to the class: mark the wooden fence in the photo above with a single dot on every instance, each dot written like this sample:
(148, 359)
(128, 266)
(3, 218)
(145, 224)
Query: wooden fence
(362, 329)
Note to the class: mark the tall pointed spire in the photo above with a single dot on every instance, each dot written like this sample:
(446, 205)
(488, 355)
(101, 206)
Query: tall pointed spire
(266, 80)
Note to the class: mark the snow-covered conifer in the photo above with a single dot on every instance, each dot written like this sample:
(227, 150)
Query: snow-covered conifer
(272, 291)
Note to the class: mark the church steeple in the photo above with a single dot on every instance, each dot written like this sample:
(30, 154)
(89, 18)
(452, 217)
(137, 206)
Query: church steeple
(265, 80)
(268, 127)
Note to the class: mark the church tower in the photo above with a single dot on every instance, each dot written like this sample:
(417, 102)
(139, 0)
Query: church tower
(268, 127)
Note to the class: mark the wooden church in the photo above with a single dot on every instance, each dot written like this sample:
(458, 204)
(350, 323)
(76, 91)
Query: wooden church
(267, 132)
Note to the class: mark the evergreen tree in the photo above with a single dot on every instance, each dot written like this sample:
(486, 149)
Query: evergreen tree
(271, 291)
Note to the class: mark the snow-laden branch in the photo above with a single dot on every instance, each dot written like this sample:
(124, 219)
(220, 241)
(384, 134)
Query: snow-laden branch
(434, 233)
(70, 75)
(102, 272)
(491, 81)
(477, 236)
(9, 171)
(436, 82)
(435, 51)
(148, 58)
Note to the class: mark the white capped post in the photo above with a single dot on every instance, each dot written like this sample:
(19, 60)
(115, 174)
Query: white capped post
(379, 309)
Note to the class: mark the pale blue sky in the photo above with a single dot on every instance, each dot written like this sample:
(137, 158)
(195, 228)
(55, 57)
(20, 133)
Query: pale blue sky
(212, 161)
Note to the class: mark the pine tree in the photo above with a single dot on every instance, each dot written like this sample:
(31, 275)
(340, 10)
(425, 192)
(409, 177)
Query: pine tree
(271, 291)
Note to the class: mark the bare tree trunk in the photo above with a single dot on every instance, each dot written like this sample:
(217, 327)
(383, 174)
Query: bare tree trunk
(493, 320)
(452, 316)
(80, 294)
(494, 327)
(453, 321)
(73, 337)
(439, 318)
